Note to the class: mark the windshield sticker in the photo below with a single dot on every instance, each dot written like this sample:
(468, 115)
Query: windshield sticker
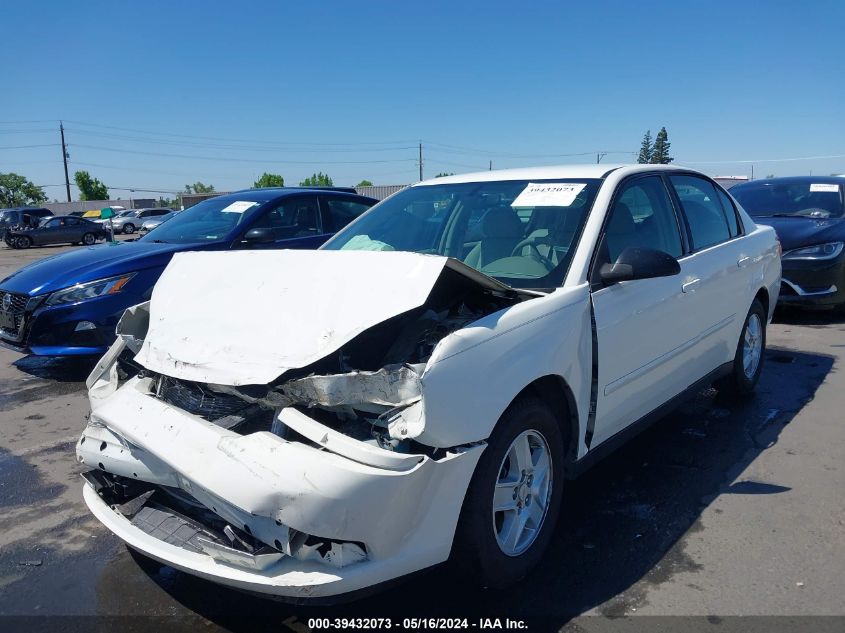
(834, 188)
(238, 207)
(548, 194)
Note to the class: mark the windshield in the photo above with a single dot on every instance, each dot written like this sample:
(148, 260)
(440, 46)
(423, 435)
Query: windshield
(206, 221)
(522, 233)
(816, 200)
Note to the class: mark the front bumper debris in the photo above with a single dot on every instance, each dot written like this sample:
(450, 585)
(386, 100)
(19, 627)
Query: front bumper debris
(332, 514)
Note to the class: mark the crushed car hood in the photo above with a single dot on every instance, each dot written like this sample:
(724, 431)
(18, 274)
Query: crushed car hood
(246, 317)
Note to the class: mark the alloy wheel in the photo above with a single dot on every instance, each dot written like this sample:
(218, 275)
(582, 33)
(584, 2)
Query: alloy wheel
(522, 493)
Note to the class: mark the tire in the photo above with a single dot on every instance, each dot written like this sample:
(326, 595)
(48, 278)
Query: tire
(743, 377)
(23, 242)
(481, 546)
(89, 239)
(128, 228)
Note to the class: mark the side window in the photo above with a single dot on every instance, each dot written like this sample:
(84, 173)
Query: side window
(54, 224)
(71, 222)
(642, 216)
(730, 213)
(706, 219)
(291, 218)
(342, 212)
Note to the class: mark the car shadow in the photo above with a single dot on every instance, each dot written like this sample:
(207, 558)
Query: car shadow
(622, 522)
(809, 317)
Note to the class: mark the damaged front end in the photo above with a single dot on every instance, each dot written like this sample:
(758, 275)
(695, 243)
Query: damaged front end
(316, 483)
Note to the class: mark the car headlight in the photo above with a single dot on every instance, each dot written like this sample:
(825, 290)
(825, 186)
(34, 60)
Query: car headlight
(830, 250)
(90, 290)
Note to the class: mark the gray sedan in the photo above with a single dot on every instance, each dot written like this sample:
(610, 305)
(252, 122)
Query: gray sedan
(150, 224)
(58, 230)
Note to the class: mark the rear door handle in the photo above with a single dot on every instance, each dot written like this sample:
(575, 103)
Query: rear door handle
(743, 262)
(690, 286)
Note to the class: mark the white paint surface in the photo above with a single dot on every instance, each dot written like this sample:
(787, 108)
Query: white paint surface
(245, 317)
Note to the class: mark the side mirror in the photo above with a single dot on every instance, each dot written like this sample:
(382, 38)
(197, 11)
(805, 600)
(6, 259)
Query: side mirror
(639, 263)
(258, 236)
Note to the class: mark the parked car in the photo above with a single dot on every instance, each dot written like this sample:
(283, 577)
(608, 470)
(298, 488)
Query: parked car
(56, 230)
(808, 214)
(416, 388)
(149, 225)
(70, 304)
(23, 217)
(129, 220)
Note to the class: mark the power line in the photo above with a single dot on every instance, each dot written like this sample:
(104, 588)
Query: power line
(761, 160)
(230, 159)
(235, 140)
(262, 148)
(30, 146)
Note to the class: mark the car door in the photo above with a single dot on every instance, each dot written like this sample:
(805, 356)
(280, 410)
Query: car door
(645, 329)
(719, 263)
(52, 233)
(292, 222)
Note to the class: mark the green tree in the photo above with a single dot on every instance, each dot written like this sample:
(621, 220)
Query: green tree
(317, 180)
(269, 180)
(646, 149)
(17, 191)
(660, 154)
(90, 188)
(365, 183)
(442, 174)
(199, 187)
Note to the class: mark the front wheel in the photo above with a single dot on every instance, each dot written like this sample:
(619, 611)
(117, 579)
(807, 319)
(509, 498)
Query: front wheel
(89, 239)
(23, 242)
(128, 228)
(514, 497)
(750, 354)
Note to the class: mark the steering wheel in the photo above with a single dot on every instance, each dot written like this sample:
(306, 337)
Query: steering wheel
(531, 242)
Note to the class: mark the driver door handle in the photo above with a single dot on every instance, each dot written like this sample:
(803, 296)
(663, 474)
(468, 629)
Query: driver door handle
(743, 262)
(691, 285)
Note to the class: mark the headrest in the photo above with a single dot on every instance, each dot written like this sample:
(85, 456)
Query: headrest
(501, 222)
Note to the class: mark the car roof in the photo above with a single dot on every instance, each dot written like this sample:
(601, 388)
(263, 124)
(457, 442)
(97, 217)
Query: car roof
(793, 180)
(274, 193)
(591, 170)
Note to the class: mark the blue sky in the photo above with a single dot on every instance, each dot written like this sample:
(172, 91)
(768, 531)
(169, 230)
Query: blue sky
(155, 95)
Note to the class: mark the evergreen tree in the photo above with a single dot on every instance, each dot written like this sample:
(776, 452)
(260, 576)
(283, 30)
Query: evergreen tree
(646, 149)
(317, 180)
(660, 154)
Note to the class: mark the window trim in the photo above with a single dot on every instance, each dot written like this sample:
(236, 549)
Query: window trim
(272, 205)
(677, 199)
(592, 272)
(326, 213)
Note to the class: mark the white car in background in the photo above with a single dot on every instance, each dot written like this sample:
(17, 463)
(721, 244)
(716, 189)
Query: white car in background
(311, 423)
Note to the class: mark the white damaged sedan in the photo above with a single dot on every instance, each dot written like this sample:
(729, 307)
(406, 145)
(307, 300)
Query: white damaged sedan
(307, 424)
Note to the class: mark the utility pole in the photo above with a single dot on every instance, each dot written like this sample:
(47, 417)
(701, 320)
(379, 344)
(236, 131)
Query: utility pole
(64, 159)
(491, 166)
(599, 156)
(421, 163)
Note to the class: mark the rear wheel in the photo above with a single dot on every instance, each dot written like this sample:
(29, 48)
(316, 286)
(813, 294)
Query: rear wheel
(750, 354)
(513, 500)
(128, 228)
(88, 239)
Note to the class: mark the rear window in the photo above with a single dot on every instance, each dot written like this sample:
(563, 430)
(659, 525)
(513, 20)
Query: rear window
(805, 198)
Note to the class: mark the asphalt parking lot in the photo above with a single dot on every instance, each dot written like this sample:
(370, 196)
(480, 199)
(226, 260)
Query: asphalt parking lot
(721, 509)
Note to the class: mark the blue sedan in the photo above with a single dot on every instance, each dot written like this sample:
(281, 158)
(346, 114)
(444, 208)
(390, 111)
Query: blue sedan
(69, 304)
